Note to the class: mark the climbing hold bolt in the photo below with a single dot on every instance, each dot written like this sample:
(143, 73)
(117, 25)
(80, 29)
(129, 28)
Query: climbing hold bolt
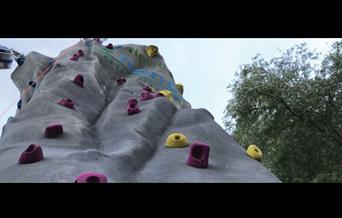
(132, 106)
(74, 57)
(33, 153)
(32, 84)
(79, 80)
(91, 177)
(254, 152)
(152, 50)
(121, 81)
(199, 155)
(66, 102)
(180, 88)
(110, 46)
(176, 140)
(146, 96)
(53, 131)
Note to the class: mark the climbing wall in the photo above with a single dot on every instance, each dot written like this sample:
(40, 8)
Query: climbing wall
(104, 113)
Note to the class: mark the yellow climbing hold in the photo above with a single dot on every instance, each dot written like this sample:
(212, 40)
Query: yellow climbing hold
(152, 50)
(166, 93)
(254, 152)
(176, 140)
(180, 87)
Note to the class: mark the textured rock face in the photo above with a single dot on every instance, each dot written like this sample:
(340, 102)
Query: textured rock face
(98, 134)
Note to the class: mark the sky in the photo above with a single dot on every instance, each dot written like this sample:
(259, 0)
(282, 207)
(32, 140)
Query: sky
(204, 66)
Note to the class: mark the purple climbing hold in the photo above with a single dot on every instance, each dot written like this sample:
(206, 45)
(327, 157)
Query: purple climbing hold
(80, 53)
(53, 131)
(121, 81)
(132, 106)
(66, 102)
(199, 155)
(91, 177)
(146, 96)
(110, 46)
(33, 153)
(74, 57)
(148, 89)
(79, 80)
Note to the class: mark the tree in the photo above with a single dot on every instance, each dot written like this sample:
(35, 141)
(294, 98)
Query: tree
(292, 109)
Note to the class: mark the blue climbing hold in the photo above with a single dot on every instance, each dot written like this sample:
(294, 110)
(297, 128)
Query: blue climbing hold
(19, 104)
(20, 59)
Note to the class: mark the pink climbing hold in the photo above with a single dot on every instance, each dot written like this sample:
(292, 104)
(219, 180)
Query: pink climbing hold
(91, 177)
(80, 53)
(121, 81)
(146, 96)
(148, 89)
(199, 155)
(53, 131)
(132, 106)
(110, 46)
(74, 57)
(79, 80)
(66, 102)
(33, 153)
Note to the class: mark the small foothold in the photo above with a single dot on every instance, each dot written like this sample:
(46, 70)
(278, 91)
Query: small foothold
(53, 131)
(254, 152)
(66, 102)
(132, 106)
(19, 104)
(74, 57)
(33, 153)
(28, 100)
(146, 96)
(110, 46)
(176, 140)
(91, 177)
(121, 81)
(32, 84)
(148, 89)
(80, 53)
(180, 88)
(198, 155)
(152, 50)
(79, 80)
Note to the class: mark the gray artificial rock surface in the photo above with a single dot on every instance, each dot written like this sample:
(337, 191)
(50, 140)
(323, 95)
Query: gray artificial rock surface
(100, 136)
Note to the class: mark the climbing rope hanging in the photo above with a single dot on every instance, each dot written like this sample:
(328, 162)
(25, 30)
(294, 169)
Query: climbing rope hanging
(40, 76)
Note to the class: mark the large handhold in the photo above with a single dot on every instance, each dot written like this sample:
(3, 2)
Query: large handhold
(53, 131)
(152, 50)
(146, 96)
(176, 140)
(254, 152)
(79, 80)
(132, 106)
(91, 177)
(198, 155)
(33, 153)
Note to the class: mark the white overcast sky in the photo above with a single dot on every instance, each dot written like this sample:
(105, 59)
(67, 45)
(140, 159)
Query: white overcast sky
(204, 66)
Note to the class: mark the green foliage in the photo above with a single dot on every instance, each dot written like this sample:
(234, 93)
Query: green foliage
(292, 109)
